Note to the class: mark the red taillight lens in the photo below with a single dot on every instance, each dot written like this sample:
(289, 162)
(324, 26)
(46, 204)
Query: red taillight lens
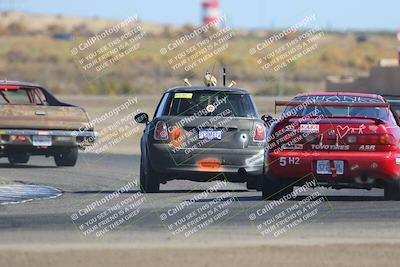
(373, 139)
(20, 138)
(259, 133)
(386, 139)
(161, 131)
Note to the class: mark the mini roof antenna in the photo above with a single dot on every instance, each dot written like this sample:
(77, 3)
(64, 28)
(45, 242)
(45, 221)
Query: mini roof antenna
(186, 80)
(224, 76)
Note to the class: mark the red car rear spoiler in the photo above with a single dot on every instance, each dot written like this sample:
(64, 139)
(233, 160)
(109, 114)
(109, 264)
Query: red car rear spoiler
(376, 120)
(331, 104)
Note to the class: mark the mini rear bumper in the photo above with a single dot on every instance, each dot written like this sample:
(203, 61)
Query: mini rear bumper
(18, 137)
(371, 165)
(232, 162)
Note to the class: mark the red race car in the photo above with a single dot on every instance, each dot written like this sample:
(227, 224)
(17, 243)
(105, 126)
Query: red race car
(340, 140)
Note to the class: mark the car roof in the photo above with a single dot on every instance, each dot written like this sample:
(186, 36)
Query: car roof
(17, 83)
(374, 96)
(207, 88)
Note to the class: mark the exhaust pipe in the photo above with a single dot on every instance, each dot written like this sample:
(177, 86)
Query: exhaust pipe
(364, 179)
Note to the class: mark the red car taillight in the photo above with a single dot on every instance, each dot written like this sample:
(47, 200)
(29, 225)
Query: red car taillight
(161, 131)
(259, 133)
(373, 139)
(386, 139)
(20, 138)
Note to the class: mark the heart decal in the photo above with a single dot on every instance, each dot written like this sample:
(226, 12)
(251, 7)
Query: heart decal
(342, 131)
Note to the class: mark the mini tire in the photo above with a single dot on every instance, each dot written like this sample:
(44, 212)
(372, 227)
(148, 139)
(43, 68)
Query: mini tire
(392, 190)
(66, 157)
(254, 183)
(273, 189)
(149, 178)
(18, 158)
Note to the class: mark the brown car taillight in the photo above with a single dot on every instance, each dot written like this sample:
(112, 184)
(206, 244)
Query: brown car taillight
(259, 133)
(20, 138)
(161, 131)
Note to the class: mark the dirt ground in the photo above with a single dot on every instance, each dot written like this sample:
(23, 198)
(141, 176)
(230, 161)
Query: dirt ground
(300, 255)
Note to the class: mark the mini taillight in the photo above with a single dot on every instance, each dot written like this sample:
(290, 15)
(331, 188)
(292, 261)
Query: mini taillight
(161, 131)
(259, 133)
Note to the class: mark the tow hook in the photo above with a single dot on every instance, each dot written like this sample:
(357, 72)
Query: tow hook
(333, 169)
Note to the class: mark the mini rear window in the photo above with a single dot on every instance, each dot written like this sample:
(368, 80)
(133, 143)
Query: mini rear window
(208, 103)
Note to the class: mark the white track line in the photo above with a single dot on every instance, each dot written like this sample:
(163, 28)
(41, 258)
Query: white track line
(13, 194)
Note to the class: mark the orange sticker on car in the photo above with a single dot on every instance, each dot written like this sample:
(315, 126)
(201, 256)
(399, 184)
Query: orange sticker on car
(210, 165)
(177, 137)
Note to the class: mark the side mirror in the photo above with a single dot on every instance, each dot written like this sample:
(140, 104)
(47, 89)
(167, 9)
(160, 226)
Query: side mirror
(268, 120)
(142, 118)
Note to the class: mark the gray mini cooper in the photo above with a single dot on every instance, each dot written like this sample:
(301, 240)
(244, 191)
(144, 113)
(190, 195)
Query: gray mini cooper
(202, 134)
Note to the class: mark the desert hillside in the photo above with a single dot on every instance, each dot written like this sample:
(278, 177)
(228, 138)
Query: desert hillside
(37, 48)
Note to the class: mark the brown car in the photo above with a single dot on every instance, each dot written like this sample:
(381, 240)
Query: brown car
(34, 122)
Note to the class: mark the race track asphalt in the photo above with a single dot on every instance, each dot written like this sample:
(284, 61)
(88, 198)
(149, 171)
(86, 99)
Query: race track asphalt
(183, 212)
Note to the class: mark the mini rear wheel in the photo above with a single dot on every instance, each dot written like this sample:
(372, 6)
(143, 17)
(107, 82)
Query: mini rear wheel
(66, 157)
(392, 190)
(149, 178)
(274, 189)
(18, 158)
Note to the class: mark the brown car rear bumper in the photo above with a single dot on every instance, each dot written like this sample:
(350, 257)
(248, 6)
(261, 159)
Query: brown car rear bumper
(25, 137)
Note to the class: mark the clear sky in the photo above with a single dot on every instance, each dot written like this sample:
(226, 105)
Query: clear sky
(332, 14)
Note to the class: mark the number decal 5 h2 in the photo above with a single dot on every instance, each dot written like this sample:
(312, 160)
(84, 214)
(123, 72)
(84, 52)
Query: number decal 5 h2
(284, 161)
